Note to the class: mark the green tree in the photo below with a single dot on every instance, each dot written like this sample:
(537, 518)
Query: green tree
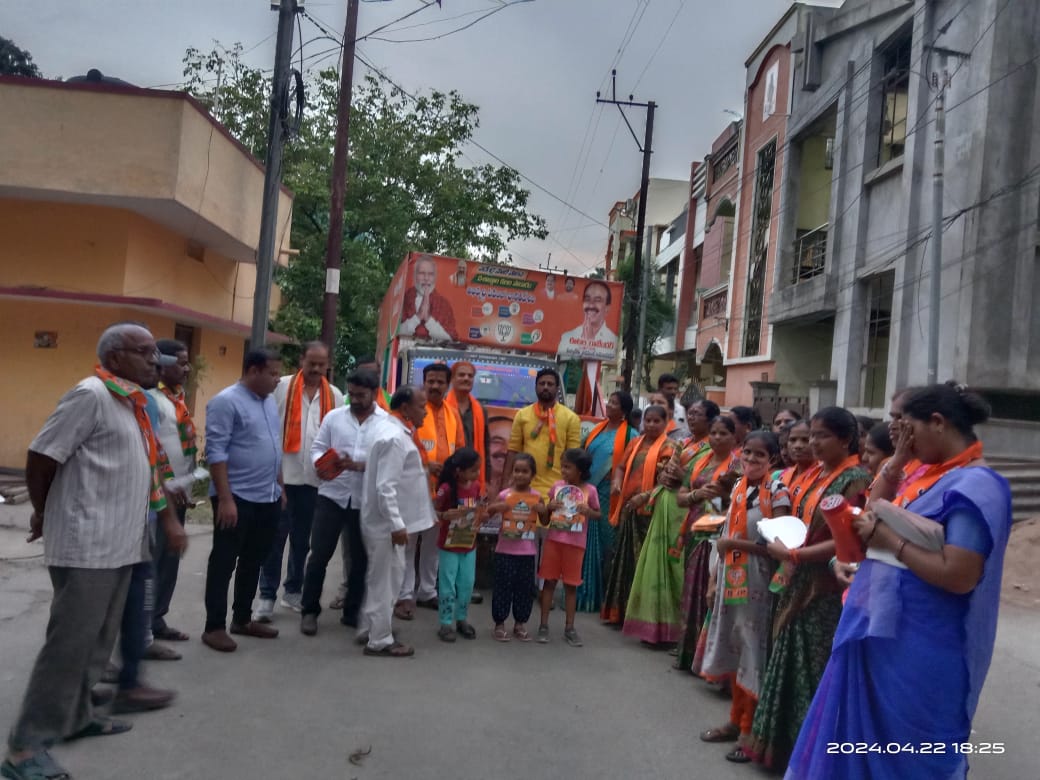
(660, 316)
(408, 188)
(15, 61)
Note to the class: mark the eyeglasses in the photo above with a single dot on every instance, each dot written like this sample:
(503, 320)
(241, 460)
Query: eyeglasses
(143, 351)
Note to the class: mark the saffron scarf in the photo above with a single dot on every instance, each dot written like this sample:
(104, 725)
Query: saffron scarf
(185, 425)
(813, 496)
(383, 399)
(648, 477)
(921, 483)
(121, 388)
(479, 426)
(546, 417)
(292, 425)
(620, 440)
(796, 485)
(735, 588)
(691, 517)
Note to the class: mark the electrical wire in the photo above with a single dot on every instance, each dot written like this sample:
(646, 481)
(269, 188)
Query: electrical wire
(467, 26)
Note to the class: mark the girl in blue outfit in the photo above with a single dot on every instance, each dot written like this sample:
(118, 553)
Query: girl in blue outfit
(916, 635)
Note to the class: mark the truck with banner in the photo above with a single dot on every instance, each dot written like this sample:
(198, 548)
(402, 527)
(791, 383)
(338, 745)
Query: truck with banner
(508, 321)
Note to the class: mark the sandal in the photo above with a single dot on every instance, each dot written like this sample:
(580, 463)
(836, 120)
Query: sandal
(39, 766)
(101, 727)
(157, 652)
(404, 611)
(396, 650)
(738, 756)
(521, 633)
(170, 635)
(727, 733)
(501, 634)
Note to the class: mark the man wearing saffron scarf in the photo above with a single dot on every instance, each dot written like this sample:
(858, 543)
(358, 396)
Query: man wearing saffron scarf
(303, 399)
(176, 433)
(92, 474)
(544, 430)
(474, 423)
(440, 434)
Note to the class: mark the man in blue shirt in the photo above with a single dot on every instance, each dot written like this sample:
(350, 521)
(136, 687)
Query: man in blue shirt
(244, 454)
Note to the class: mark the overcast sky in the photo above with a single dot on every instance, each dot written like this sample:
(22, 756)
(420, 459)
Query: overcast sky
(533, 67)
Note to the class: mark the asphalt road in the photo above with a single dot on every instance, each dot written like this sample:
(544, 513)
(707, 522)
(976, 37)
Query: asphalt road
(299, 707)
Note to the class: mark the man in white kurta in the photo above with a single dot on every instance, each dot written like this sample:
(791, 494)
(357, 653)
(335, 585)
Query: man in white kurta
(396, 503)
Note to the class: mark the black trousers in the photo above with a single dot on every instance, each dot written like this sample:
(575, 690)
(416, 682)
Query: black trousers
(330, 521)
(514, 575)
(167, 565)
(241, 551)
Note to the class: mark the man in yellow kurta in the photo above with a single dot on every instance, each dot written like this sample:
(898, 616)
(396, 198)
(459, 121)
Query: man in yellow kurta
(544, 430)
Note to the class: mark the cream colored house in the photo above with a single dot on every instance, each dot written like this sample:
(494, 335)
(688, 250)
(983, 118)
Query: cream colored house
(119, 203)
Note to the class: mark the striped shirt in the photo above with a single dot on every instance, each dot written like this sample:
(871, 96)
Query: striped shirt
(97, 508)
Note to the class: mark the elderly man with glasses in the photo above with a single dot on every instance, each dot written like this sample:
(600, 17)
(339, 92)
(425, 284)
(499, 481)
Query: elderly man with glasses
(93, 476)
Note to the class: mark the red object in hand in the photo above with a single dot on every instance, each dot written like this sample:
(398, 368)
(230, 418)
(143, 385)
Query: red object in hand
(849, 548)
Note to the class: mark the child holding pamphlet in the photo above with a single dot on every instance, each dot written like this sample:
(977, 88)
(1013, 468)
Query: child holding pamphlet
(521, 509)
(460, 511)
(572, 503)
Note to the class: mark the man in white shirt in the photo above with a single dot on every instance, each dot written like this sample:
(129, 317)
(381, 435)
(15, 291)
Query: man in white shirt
(176, 433)
(303, 399)
(396, 503)
(343, 436)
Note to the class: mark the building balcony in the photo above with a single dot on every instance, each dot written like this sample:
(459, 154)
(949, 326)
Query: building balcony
(810, 254)
(155, 153)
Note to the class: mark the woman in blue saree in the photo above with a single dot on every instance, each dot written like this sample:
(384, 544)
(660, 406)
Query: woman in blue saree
(606, 444)
(916, 635)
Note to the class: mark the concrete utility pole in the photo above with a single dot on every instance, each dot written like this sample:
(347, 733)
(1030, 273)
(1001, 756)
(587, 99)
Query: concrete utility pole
(631, 327)
(277, 131)
(341, 154)
(940, 81)
(644, 294)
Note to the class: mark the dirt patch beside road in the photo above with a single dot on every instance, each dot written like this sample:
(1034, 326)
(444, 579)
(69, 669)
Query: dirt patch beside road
(1021, 585)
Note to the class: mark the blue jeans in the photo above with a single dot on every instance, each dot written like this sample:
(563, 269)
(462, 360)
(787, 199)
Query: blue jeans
(455, 576)
(294, 524)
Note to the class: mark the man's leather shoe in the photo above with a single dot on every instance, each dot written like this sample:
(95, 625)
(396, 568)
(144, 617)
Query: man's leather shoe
(429, 603)
(309, 625)
(254, 629)
(219, 641)
(142, 699)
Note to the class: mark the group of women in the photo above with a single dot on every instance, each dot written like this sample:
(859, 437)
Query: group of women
(680, 564)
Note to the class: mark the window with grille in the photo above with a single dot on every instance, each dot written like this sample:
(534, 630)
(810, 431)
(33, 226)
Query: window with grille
(755, 299)
(879, 327)
(895, 93)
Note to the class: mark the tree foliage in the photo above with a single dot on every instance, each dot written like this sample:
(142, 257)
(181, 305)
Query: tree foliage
(409, 188)
(660, 315)
(15, 61)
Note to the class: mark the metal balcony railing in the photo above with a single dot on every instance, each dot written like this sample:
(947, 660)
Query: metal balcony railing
(810, 253)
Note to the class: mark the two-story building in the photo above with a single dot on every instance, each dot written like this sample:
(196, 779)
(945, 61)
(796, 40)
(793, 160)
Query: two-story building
(119, 204)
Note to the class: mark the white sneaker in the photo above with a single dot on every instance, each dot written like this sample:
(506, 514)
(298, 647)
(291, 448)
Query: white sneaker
(293, 601)
(264, 610)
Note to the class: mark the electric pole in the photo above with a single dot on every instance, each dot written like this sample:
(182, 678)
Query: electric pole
(631, 336)
(940, 81)
(334, 244)
(277, 132)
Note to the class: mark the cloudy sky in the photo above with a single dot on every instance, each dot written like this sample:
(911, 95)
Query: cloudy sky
(532, 66)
